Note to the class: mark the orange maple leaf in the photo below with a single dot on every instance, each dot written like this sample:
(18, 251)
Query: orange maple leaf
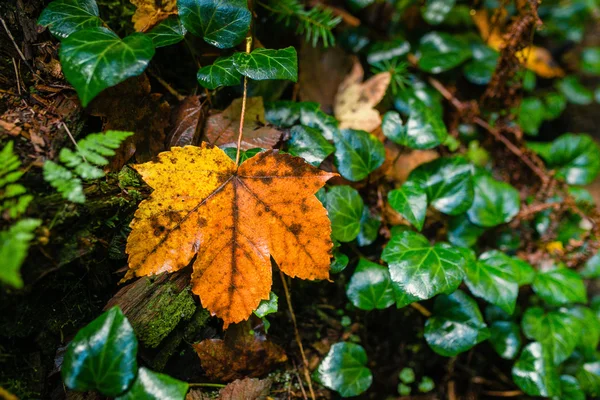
(234, 218)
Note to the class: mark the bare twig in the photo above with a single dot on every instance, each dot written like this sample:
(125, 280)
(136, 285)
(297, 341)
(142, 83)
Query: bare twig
(17, 46)
(506, 393)
(244, 98)
(170, 89)
(297, 334)
(17, 76)
(425, 312)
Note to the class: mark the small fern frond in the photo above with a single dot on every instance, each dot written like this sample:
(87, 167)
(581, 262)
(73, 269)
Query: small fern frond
(83, 163)
(315, 23)
(13, 196)
(14, 244)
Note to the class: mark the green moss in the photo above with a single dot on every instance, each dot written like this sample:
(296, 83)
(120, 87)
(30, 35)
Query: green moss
(129, 178)
(170, 308)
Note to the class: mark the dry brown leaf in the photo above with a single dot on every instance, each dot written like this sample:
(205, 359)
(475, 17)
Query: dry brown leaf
(239, 354)
(148, 13)
(131, 107)
(321, 71)
(222, 129)
(355, 99)
(246, 389)
(187, 123)
(234, 219)
(534, 58)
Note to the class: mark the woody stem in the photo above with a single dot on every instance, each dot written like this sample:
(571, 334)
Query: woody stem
(244, 97)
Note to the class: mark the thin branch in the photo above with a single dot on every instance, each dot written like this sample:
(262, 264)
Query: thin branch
(424, 311)
(17, 46)
(244, 98)
(170, 89)
(297, 334)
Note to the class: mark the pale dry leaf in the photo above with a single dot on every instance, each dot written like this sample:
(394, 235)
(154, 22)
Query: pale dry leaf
(148, 13)
(355, 101)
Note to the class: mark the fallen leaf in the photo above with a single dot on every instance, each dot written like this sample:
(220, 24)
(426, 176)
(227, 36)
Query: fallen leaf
(534, 58)
(355, 99)
(187, 123)
(321, 71)
(130, 106)
(240, 353)
(222, 129)
(235, 218)
(246, 389)
(148, 13)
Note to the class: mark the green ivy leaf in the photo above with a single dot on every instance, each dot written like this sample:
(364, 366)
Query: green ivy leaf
(284, 113)
(554, 105)
(390, 50)
(456, 325)
(493, 282)
(419, 270)
(222, 24)
(557, 331)
(263, 64)
(523, 271)
(357, 154)
(150, 385)
(590, 60)
(411, 202)
(435, 11)
(339, 262)
(575, 157)
(559, 287)
(535, 373)
(369, 227)
(168, 32)
(94, 59)
(309, 144)
(102, 356)
(462, 232)
(440, 51)
(424, 128)
(590, 330)
(267, 307)
(64, 17)
(494, 202)
(574, 91)
(344, 370)
(591, 269)
(589, 378)
(569, 389)
(480, 69)
(14, 244)
(370, 286)
(345, 207)
(418, 89)
(220, 73)
(505, 338)
(531, 114)
(448, 183)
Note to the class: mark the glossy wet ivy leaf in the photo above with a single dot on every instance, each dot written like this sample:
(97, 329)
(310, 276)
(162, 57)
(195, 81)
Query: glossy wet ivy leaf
(345, 207)
(94, 59)
(168, 32)
(369, 227)
(554, 105)
(386, 51)
(590, 60)
(309, 143)
(424, 128)
(534, 373)
(493, 282)
(222, 24)
(311, 115)
(590, 330)
(462, 232)
(440, 51)
(263, 64)
(480, 69)
(420, 270)
(448, 182)
(267, 307)
(589, 378)
(523, 271)
(575, 157)
(344, 369)
(531, 114)
(370, 286)
(418, 89)
(244, 154)
(220, 73)
(557, 331)
(411, 202)
(435, 11)
(63, 17)
(569, 389)
(339, 262)
(284, 113)
(456, 325)
(494, 202)
(102, 356)
(560, 286)
(574, 91)
(150, 385)
(357, 154)
(591, 268)
(505, 338)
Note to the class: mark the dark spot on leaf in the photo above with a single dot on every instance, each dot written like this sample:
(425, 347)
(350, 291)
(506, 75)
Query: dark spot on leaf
(296, 229)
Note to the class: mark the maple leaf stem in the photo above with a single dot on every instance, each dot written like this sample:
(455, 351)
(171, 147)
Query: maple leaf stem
(244, 98)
